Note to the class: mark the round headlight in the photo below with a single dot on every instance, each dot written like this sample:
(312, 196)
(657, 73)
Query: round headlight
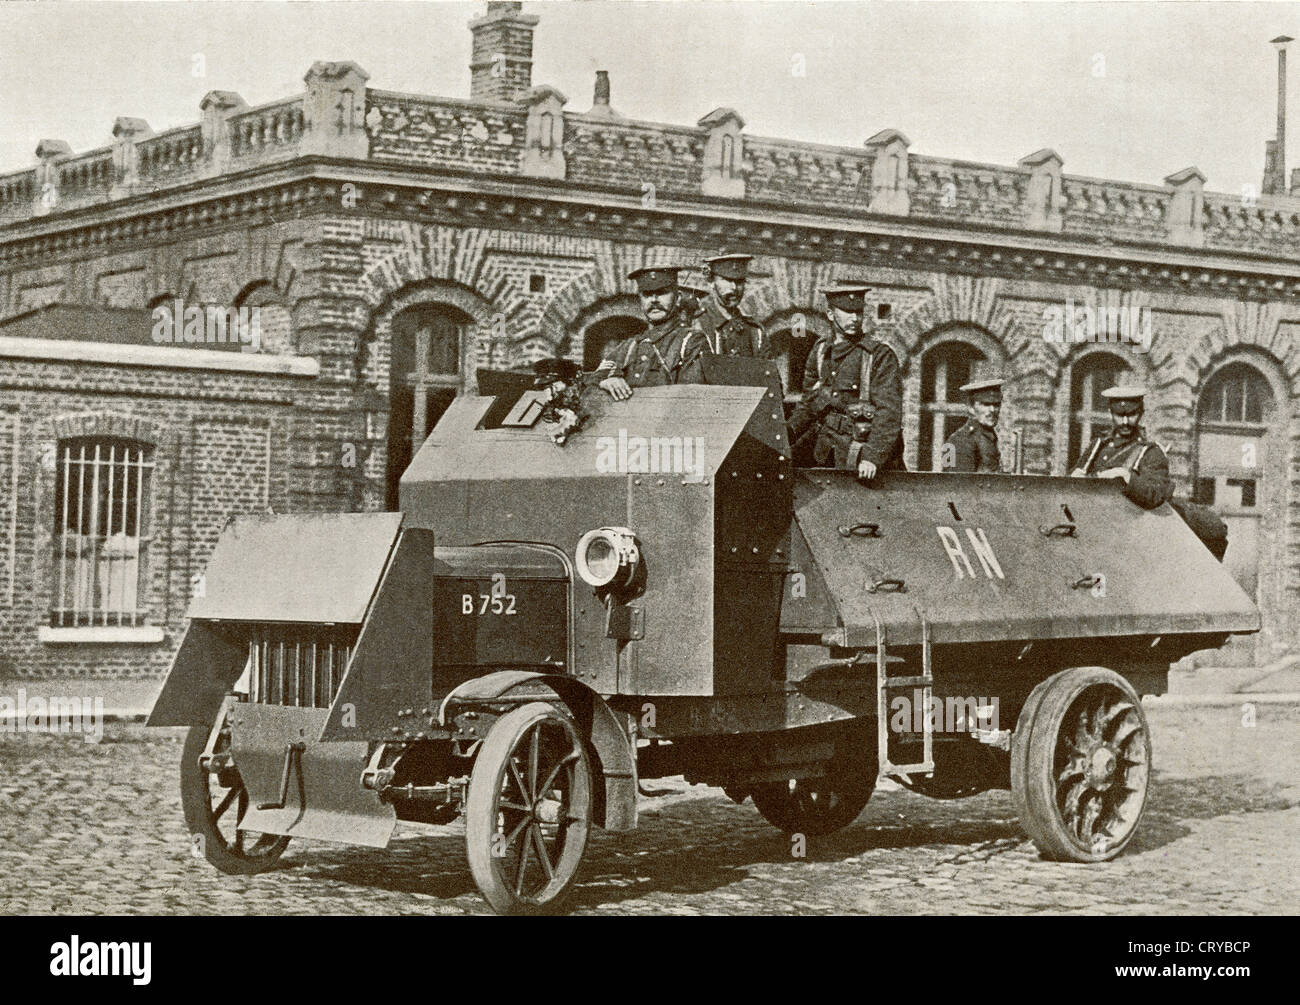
(607, 557)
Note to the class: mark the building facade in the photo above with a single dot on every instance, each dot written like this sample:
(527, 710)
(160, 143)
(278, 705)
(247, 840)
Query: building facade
(395, 243)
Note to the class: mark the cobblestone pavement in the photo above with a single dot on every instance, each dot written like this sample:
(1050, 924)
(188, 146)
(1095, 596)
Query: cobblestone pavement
(97, 828)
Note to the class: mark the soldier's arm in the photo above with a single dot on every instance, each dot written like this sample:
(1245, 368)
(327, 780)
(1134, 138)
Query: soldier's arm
(611, 373)
(811, 402)
(1149, 485)
(887, 400)
(960, 453)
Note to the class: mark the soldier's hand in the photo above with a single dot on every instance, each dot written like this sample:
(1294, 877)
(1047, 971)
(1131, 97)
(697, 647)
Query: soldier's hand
(617, 388)
(866, 471)
(1116, 473)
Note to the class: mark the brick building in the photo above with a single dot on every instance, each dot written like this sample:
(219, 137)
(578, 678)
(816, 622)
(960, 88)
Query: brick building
(394, 243)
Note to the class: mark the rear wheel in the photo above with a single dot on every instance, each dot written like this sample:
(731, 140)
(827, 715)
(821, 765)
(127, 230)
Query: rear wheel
(214, 805)
(1080, 765)
(818, 806)
(529, 810)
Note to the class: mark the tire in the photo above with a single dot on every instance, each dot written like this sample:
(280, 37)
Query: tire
(214, 833)
(530, 795)
(819, 806)
(1081, 765)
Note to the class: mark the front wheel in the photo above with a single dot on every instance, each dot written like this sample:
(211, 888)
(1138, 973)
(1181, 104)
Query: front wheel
(819, 806)
(529, 810)
(1080, 765)
(214, 805)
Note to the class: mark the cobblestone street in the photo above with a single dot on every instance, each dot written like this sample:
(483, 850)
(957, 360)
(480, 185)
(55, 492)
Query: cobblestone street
(97, 828)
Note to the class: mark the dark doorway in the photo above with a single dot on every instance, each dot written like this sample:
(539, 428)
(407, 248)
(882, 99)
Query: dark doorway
(600, 334)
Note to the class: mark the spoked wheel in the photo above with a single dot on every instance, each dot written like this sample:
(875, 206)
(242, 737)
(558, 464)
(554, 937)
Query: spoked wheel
(214, 804)
(818, 806)
(529, 810)
(1080, 765)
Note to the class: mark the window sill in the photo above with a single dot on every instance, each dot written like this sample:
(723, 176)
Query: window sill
(142, 634)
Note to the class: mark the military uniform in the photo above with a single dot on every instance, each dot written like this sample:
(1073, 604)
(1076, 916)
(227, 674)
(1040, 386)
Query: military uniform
(724, 331)
(654, 358)
(729, 334)
(973, 448)
(853, 404)
(1149, 484)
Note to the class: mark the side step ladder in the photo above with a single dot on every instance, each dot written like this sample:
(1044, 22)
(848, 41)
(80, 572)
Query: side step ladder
(885, 684)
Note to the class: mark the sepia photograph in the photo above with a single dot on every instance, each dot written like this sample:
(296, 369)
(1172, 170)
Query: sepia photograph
(650, 458)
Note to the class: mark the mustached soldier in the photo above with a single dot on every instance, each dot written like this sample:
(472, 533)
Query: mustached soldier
(727, 331)
(974, 447)
(656, 356)
(853, 393)
(1126, 453)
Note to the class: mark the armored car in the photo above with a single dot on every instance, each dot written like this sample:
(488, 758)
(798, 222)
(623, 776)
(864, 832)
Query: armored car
(545, 625)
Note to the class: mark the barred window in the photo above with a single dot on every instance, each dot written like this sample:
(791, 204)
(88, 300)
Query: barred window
(944, 369)
(101, 531)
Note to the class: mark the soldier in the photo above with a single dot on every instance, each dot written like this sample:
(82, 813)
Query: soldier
(974, 447)
(1126, 452)
(693, 294)
(727, 331)
(853, 393)
(657, 355)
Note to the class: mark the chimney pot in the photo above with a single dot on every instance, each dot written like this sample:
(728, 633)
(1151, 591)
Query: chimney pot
(601, 97)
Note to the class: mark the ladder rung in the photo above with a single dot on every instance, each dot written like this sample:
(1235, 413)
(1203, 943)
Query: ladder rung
(921, 768)
(921, 681)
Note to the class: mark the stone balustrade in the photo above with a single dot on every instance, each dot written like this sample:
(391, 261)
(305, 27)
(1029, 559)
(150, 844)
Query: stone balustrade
(340, 117)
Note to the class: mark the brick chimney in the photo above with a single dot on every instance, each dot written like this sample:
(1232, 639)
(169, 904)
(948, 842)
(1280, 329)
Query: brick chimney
(501, 62)
(600, 98)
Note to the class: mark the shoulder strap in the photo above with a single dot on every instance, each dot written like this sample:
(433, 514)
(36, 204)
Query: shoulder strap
(1138, 459)
(631, 350)
(1097, 441)
(823, 350)
(864, 374)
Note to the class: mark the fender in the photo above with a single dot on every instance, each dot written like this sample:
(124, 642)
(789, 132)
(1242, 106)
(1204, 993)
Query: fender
(616, 811)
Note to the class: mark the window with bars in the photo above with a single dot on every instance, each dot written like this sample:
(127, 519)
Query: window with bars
(101, 531)
(1089, 411)
(944, 369)
(1233, 414)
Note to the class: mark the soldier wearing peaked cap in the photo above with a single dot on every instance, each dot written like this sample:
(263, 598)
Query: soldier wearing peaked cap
(974, 447)
(720, 323)
(853, 393)
(658, 355)
(1126, 453)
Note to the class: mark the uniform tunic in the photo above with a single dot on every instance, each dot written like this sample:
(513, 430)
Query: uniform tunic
(972, 448)
(1149, 485)
(729, 334)
(831, 389)
(651, 359)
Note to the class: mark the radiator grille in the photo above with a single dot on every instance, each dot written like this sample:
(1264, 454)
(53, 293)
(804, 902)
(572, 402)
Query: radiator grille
(298, 667)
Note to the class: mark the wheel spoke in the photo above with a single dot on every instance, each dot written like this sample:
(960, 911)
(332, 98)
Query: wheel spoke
(1074, 767)
(519, 781)
(542, 855)
(524, 847)
(1070, 804)
(510, 838)
(224, 804)
(1114, 715)
(534, 754)
(546, 785)
(1091, 811)
(503, 804)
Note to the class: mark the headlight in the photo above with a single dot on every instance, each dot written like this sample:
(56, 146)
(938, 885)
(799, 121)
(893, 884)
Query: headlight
(607, 557)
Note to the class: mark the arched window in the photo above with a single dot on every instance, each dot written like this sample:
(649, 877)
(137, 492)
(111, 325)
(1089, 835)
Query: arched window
(424, 376)
(1231, 426)
(1234, 432)
(101, 532)
(546, 132)
(944, 369)
(603, 332)
(728, 154)
(1089, 411)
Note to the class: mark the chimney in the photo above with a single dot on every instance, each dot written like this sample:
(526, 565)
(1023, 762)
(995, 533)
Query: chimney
(600, 98)
(1275, 153)
(501, 60)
